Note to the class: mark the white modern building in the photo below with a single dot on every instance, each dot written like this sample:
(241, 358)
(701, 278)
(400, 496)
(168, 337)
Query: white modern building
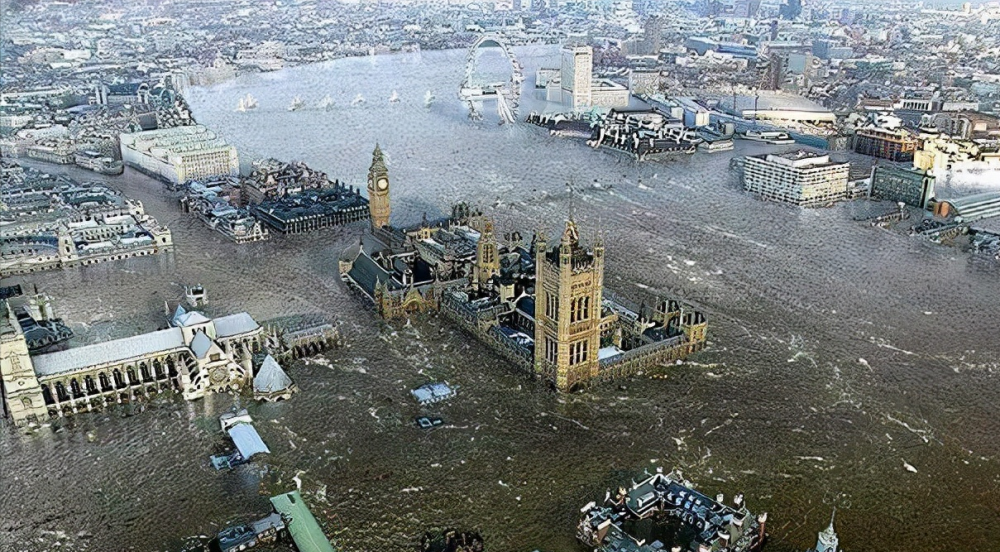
(803, 178)
(573, 84)
(577, 72)
(180, 154)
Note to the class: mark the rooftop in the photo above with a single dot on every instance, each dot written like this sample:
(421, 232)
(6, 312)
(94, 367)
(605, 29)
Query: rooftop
(432, 392)
(271, 378)
(108, 352)
(235, 324)
(305, 531)
(247, 440)
(800, 159)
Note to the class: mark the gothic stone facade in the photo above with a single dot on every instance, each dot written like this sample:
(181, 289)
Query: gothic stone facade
(196, 355)
(545, 310)
(568, 285)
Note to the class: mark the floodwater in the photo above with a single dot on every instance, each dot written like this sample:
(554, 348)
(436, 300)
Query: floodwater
(838, 353)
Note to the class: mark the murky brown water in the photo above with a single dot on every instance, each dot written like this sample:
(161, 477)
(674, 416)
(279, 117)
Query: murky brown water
(781, 407)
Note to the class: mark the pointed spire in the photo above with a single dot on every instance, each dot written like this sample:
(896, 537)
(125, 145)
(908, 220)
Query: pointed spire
(827, 540)
(571, 236)
(569, 186)
(378, 158)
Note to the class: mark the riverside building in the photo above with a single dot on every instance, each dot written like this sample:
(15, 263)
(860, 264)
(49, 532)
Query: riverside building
(291, 198)
(895, 145)
(542, 308)
(180, 154)
(910, 186)
(573, 83)
(194, 356)
(53, 222)
(802, 178)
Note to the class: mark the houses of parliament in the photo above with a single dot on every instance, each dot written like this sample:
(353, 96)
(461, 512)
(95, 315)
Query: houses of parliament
(541, 306)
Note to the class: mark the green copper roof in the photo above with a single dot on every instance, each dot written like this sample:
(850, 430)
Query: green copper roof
(302, 525)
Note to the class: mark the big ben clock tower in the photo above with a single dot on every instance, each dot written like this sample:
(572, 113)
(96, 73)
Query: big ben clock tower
(378, 190)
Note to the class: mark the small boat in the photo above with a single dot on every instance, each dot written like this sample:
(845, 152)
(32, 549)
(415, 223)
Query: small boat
(394, 98)
(241, 106)
(428, 98)
(296, 104)
(724, 144)
(250, 102)
(358, 100)
(774, 137)
(325, 103)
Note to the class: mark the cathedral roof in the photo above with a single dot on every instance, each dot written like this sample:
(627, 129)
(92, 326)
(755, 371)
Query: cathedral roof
(108, 352)
(200, 345)
(235, 324)
(191, 318)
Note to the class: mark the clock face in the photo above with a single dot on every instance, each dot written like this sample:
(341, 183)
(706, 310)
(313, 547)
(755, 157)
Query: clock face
(382, 184)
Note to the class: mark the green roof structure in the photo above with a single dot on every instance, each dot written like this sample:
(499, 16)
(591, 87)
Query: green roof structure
(301, 524)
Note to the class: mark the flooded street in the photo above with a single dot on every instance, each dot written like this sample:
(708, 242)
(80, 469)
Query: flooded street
(837, 352)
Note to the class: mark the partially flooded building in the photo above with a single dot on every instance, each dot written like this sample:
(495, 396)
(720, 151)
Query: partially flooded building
(54, 222)
(195, 355)
(179, 154)
(802, 178)
(685, 519)
(542, 308)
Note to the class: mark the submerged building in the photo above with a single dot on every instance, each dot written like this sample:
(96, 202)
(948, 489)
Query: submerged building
(180, 154)
(902, 184)
(689, 520)
(195, 355)
(291, 198)
(312, 209)
(801, 178)
(53, 222)
(214, 202)
(827, 540)
(33, 311)
(542, 308)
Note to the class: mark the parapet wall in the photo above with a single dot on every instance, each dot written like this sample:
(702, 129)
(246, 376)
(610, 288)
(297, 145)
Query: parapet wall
(492, 337)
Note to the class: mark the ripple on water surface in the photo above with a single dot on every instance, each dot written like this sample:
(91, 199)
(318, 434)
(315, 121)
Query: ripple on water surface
(838, 352)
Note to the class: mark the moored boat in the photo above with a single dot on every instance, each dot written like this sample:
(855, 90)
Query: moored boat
(775, 137)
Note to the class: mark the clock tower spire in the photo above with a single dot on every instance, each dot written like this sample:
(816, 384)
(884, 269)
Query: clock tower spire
(378, 190)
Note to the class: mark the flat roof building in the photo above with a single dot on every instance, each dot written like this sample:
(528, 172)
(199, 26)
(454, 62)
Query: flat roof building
(180, 154)
(895, 145)
(803, 178)
(910, 186)
(577, 73)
